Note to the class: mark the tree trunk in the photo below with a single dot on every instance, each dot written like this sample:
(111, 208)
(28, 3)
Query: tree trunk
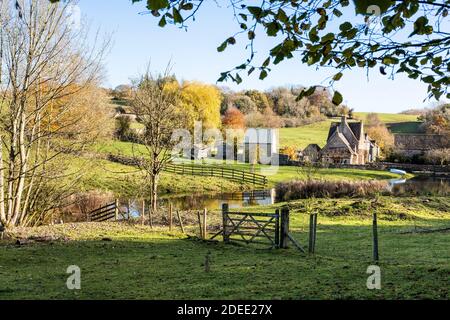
(2, 184)
(154, 192)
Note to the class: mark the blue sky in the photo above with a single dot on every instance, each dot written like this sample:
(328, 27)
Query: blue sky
(138, 40)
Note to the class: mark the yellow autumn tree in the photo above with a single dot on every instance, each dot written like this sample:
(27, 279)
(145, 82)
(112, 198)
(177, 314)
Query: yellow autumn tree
(201, 102)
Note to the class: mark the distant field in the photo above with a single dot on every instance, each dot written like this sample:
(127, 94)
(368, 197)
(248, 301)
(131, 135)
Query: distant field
(317, 133)
(388, 117)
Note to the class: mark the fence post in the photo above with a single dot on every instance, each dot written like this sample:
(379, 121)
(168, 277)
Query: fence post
(204, 222)
(277, 228)
(311, 235)
(180, 221)
(284, 230)
(375, 238)
(116, 209)
(226, 237)
(315, 232)
(170, 217)
(200, 224)
(150, 218)
(143, 211)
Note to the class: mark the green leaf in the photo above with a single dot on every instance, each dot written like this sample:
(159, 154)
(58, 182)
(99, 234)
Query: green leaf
(177, 18)
(337, 98)
(157, 4)
(162, 22)
(263, 75)
(255, 11)
(306, 93)
(187, 6)
(345, 26)
(222, 47)
(337, 76)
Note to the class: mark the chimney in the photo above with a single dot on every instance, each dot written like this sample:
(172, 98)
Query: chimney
(343, 122)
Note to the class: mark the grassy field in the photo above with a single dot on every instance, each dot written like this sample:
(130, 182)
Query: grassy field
(122, 180)
(317, 133)
(156, 264)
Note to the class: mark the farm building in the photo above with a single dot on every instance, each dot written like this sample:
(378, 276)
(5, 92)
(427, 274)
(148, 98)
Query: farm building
(348, 144)
(260, 145)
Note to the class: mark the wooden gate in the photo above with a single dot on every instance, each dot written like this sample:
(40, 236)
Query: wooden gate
(105, 213)
(271, 229)
(259, 228)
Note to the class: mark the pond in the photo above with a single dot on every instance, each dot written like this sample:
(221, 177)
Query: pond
(212, 202)
(420, 185)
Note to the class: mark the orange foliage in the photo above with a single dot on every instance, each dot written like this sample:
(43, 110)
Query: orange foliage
(233, 119)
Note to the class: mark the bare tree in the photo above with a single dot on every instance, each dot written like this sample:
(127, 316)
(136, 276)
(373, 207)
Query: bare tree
(45, 63)
(156, 104)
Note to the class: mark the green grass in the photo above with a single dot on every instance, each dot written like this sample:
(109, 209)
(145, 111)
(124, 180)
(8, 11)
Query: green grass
(317, 133)
(125, 180)
(156, 264)
(405, 127)
(388, 117)
(118, 147)
(122, 180)
(285, 173)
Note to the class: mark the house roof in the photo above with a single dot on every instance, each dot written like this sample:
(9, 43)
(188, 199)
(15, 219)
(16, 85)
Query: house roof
(356, 128)
(338, 135)
(312, 146)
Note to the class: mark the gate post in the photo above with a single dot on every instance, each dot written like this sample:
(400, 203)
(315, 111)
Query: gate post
(226, 236)
(277, 229)
(116, 209)
(284, 230)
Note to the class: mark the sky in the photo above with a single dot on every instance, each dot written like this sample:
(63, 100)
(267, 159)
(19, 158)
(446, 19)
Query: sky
(138, 42)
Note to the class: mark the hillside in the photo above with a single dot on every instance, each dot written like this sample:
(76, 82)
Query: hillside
(317, 133)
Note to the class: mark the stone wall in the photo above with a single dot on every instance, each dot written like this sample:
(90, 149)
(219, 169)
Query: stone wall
(416, 144)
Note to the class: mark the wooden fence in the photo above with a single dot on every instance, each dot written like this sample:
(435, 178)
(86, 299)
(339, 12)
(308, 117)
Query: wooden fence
(105, 213)
(220, 172)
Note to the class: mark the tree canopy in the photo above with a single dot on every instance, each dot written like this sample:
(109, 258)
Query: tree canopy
(408, 37)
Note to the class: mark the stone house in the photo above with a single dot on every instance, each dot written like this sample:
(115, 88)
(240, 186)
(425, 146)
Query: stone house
(311, 153)
(348, 144)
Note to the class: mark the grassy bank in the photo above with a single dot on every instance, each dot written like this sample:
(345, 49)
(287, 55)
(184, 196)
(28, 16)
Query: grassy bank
(122, 180)
(104, 175)
(156, 264)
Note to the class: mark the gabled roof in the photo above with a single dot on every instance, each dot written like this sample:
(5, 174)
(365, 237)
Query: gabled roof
(312, 146)
(338, 135)
(356, 128)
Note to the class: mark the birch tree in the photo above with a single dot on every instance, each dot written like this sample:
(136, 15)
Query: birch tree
(45, 63)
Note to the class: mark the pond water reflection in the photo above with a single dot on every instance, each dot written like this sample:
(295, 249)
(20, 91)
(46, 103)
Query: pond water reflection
(418, 186)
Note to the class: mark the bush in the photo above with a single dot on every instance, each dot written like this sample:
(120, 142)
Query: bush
(123, 131)
(299, 189)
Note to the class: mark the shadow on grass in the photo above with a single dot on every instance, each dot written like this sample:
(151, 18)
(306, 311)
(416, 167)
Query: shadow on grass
(164, 266)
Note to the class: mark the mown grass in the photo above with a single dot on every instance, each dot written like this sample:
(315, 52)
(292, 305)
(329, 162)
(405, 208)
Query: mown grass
(156, 264)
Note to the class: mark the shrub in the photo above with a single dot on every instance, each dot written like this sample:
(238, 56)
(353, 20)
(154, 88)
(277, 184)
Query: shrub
(123, 131)
(299, 189)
